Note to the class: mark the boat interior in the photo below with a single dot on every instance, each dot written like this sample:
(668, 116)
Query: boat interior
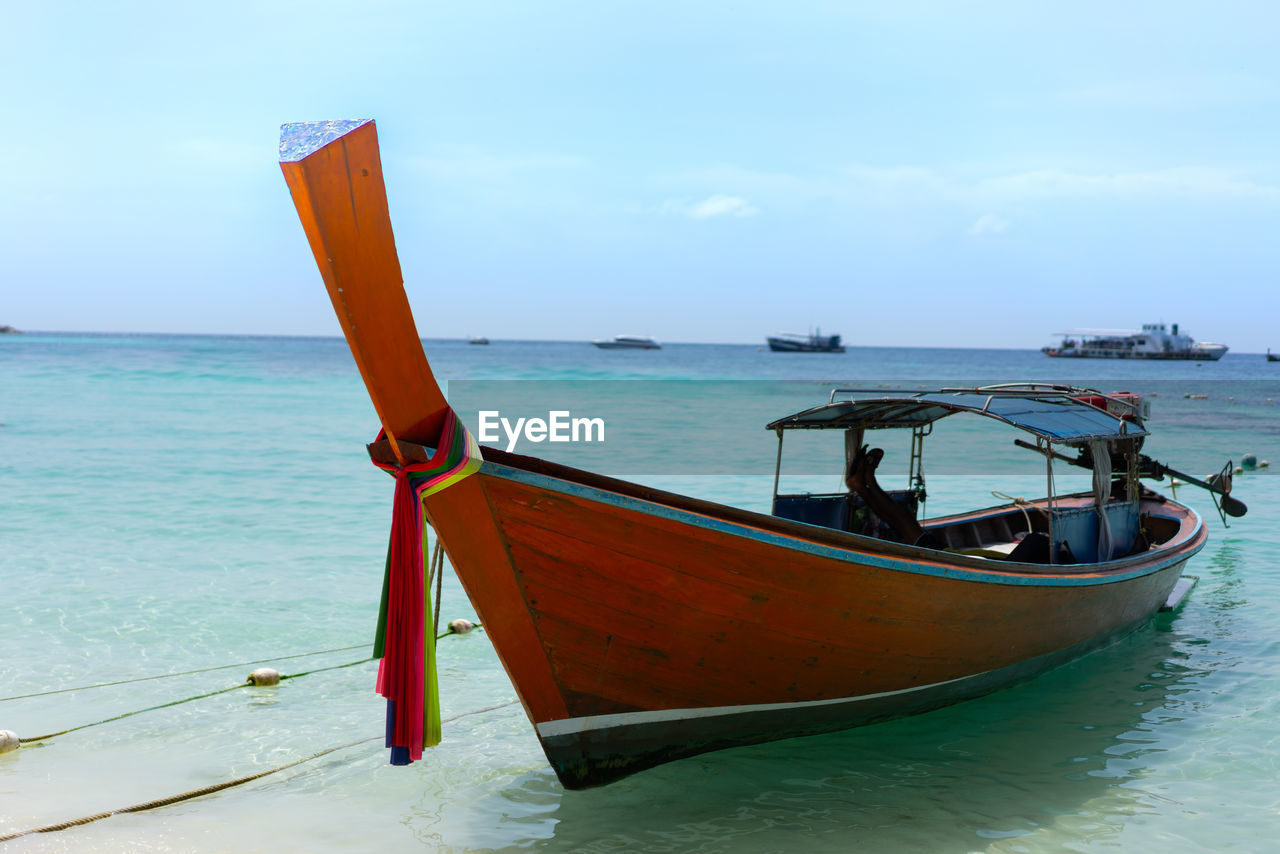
(1011, 532)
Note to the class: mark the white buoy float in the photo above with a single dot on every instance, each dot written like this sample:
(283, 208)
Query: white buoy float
(264, 676)
(1249, 461)
(9, 740)
(460, 626)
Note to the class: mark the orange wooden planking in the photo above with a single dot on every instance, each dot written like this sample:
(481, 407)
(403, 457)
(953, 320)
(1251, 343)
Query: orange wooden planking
(465, 524)
(577, 601)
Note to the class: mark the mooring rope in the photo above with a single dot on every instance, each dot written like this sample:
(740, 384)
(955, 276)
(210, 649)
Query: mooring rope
(183, 673)
(217, 787)
(1021, 503)
(247, 683)
(437, 570)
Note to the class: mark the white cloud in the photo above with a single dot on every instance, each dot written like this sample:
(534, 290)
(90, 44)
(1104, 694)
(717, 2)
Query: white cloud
(720, 205)
(989, 224)
(716, 205)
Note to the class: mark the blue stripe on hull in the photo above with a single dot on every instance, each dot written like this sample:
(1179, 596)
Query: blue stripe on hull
(1043, 578)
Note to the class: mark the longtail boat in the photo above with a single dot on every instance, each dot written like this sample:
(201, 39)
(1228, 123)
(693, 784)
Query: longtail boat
(640, 626)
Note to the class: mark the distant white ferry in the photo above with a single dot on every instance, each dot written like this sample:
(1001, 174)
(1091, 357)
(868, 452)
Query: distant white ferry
(627, 342)
(1153, 342)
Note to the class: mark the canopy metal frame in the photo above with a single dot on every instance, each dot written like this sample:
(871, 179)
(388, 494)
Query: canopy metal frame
(901, 408)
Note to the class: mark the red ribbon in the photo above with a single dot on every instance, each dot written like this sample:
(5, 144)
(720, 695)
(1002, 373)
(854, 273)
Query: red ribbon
(402, 672)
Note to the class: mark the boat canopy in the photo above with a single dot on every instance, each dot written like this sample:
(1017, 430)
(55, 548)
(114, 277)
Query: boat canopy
(1058, 414)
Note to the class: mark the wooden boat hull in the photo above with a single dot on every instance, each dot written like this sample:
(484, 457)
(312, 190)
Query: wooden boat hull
(641, 627)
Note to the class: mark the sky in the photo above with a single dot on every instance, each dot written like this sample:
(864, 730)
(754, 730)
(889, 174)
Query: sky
(906, 174)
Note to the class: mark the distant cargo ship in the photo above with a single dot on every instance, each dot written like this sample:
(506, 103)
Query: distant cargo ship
(1154, 341)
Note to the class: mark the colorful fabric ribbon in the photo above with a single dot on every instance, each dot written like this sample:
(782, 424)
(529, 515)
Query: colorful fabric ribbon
(403, 643)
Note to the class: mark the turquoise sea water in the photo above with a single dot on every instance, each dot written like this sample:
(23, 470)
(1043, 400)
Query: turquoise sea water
(170, 503)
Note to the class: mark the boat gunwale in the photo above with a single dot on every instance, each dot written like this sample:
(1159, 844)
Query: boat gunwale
(842, 545)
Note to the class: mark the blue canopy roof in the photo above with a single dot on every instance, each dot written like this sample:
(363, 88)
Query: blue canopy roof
(1053, 413)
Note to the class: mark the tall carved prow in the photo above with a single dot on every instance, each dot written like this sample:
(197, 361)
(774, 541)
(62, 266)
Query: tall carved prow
(334, 172)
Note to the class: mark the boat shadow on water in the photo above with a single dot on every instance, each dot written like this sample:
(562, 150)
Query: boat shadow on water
(1060, 757)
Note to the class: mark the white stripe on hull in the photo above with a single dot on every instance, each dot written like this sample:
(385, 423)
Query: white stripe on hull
(573, 726)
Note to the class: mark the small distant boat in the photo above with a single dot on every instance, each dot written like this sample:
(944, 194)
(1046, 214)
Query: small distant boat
(1154, 341)
(1272, 357)
(478, 339)
(814, 342)
(627, 342)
